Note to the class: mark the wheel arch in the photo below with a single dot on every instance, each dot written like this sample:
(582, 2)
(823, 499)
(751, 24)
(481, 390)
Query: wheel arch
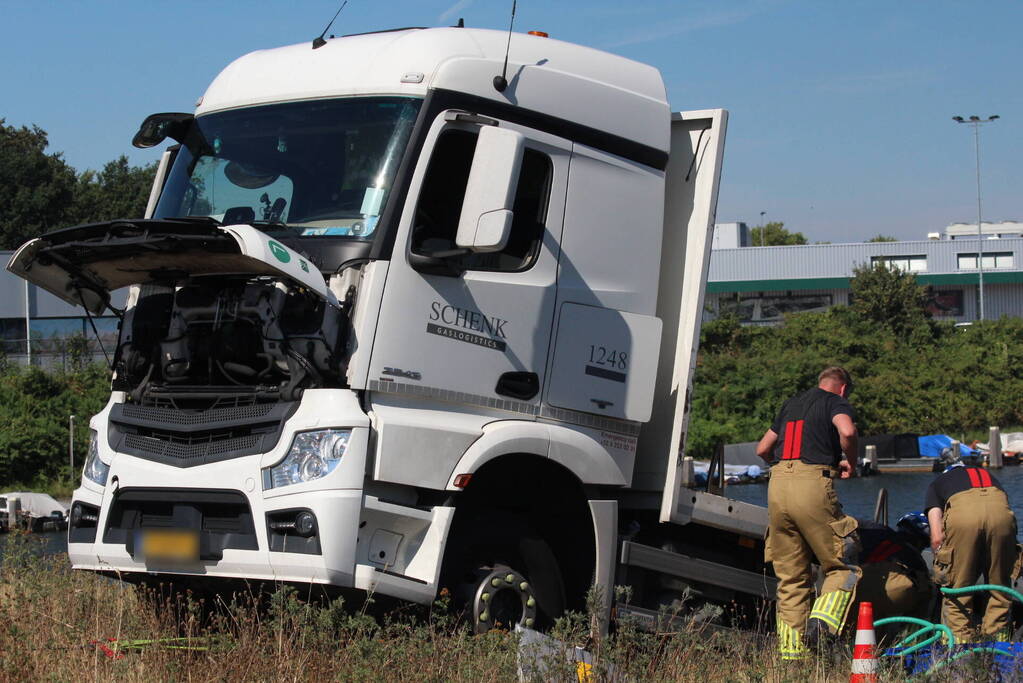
(575, 451)
(536, 497)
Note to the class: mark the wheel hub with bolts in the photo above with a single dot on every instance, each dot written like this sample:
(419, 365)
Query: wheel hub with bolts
(503, 599)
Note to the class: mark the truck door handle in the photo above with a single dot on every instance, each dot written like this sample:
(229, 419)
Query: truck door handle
(520, 385)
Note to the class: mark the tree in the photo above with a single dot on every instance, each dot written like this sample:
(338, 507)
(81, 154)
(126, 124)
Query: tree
(34, 409)
(774, 234)
(936, 379)
(882, 238)
(118, 191)
(36, 188)
(888, 296)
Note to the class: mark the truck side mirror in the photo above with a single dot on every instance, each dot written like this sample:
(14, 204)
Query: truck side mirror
(485, 222)
(158, 127)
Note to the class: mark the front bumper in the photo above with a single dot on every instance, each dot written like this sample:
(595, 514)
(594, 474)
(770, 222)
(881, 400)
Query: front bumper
(337, 515)
(360, 541)
(225, 503)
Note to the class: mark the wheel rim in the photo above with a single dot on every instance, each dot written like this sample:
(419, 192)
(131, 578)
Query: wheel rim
(504, 599)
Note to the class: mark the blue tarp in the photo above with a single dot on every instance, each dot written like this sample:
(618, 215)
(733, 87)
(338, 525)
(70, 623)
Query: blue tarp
(1008, 664)
(931, 446)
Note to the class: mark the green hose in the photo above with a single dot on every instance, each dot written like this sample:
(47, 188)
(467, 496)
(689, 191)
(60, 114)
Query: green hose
(919, 646)
(959, 655)
(913, 636)
(196, 644)
(927, 626)
(983, 587)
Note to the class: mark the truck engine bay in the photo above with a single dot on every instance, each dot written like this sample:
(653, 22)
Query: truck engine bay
(265, 334)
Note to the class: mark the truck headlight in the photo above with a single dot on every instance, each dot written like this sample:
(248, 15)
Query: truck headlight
(95, 469)
(312, 455)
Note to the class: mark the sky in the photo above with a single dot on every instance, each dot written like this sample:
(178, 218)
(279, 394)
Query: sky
(840, 113)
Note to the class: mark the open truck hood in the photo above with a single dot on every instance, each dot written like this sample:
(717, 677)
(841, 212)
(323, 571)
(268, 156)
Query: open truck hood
(83, 265)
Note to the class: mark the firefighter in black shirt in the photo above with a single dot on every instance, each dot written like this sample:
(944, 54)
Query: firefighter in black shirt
(806, 520)
(973, 532)
(895, 577)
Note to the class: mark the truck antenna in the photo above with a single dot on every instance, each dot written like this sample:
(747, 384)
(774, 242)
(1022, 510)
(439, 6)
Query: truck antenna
(500, 82)
(319, 41)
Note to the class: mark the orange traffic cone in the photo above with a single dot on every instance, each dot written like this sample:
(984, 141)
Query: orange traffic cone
(864, 663)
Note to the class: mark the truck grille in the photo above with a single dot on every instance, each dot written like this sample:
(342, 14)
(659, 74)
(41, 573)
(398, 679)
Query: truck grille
(186, 438)
(223, 518)
(200, 418)
(170, 446)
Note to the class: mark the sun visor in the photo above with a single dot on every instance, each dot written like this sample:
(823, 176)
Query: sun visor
(82, 266)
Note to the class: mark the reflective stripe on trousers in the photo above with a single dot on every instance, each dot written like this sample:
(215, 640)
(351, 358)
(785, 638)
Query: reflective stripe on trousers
(831, 608)
(790, 642)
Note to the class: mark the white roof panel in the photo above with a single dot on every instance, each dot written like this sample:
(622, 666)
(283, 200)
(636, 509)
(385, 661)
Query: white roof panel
(587, 86)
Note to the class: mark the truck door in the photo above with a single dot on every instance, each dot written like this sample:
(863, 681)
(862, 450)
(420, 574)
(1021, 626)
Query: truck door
(690, 202)
(474, 328)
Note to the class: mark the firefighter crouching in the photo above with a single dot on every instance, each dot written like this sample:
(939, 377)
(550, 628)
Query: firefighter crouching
(895, 577)
(806, 520)
(973, 532)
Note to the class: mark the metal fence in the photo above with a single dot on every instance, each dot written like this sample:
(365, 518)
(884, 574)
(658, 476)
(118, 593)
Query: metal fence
(65, 353)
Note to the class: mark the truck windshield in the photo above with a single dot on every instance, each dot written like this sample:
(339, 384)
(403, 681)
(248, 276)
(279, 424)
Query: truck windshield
(309, 169)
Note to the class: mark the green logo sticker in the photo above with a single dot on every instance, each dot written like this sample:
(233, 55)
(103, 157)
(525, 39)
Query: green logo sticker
(305, 266)
(280, 252)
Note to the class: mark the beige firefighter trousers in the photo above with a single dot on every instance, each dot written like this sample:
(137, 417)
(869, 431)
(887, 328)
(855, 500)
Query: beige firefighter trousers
(895, 591)
(806, 521)
(980, 538)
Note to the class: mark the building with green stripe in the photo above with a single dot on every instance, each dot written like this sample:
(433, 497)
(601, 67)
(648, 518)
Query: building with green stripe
(761, 284)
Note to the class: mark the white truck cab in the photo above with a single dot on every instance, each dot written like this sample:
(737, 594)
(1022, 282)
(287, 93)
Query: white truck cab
(390, 328)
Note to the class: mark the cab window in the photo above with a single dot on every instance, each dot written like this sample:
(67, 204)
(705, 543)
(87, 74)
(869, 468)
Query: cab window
(440, 204)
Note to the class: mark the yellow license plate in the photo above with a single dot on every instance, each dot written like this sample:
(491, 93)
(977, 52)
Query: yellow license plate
(176, 545)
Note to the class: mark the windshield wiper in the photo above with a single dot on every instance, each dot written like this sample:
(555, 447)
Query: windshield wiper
(209, 220)
(276, 226)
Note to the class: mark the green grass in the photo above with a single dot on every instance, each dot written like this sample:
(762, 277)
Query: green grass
(51, 617)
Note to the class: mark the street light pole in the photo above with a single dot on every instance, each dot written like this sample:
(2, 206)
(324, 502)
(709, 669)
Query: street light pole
(71, 445)
(763, 230)
(976, 122)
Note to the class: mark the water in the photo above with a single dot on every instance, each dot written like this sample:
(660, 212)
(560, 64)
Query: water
(905, 492)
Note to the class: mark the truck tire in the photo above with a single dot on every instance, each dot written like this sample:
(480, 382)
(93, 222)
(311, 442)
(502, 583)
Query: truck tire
(504, 579)
(503, 599)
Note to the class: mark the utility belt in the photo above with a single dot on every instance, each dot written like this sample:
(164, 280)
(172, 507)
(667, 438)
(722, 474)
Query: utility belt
(977, 495)
(801, 467)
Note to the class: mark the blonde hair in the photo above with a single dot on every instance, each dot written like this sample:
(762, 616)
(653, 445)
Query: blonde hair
(836, 374)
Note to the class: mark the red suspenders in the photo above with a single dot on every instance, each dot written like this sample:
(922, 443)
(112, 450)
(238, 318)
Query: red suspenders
(793, 440)
(978, 478)
(883, 551)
